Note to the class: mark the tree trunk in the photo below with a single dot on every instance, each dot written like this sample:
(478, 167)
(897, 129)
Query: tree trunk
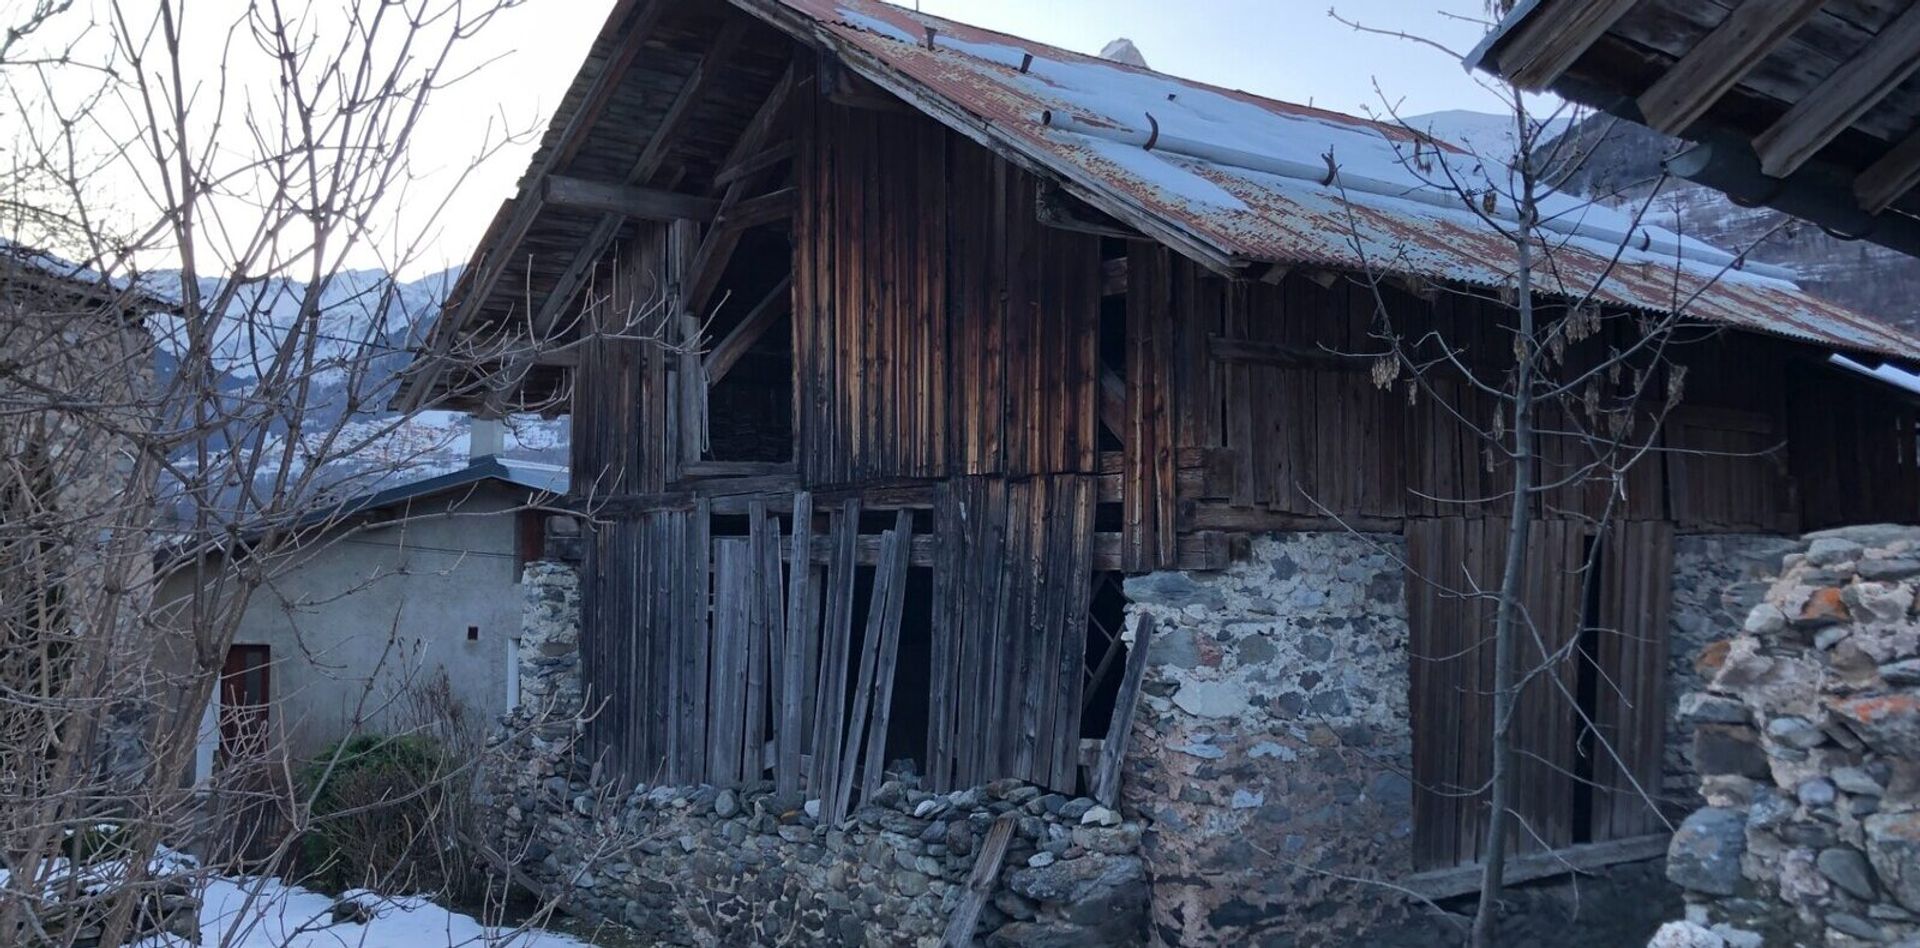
(1511, 590)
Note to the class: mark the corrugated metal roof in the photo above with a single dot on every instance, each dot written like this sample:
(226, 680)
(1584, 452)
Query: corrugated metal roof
(1235, 180)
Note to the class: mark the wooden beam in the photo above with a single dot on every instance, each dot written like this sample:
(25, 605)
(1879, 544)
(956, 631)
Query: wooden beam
(1555, 37)
(1890, 178)
(1058, 209)
(626, 200)
(1255, 352)
(504, 249)
(1461, 880)
(765, 209)
(1856, 86)
(755, 324)
(588, 256)
(710, 264)
(1718, 61)
(754, 164)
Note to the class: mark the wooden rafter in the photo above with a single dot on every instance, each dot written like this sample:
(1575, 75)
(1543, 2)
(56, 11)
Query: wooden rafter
(754, 164)
(626, 200)
(1833, 105)
(1753, 30)
(581, 267)
(1887, 180)
(725, 354)
(1555, 37)
(717, 249)
(506, 248)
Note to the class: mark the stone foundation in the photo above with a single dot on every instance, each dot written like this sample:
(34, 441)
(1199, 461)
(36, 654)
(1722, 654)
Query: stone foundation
(1271, 748)
(746, 866)
(1807, 741)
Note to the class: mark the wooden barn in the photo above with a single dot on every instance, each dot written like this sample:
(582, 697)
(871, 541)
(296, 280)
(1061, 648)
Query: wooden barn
(894, 347)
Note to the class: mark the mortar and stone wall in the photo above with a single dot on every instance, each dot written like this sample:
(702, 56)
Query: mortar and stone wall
(1807, 742)
(1271, 748)
(747, 865)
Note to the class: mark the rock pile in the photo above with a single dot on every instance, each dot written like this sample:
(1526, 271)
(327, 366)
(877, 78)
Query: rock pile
(747, 865)
(1807, 742)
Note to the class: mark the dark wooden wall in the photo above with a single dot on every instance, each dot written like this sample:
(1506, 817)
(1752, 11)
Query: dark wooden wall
(1262, 378)
(940, 329)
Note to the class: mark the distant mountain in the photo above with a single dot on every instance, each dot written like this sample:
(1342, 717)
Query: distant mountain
(1620, 162)
(369, 327)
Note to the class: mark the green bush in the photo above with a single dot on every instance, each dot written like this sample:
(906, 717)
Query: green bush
(377, 807)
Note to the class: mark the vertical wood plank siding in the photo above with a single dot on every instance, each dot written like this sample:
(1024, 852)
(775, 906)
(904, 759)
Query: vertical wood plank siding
(940, 329)
(1456, 564)
(1277, 378)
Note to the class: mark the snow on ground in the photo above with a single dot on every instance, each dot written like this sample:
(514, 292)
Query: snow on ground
(285, 916)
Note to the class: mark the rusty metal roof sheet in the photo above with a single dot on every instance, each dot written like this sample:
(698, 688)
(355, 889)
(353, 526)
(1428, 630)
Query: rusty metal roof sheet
(1235, 180)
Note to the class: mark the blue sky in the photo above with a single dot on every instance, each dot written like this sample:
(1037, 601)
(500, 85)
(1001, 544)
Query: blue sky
(1286, 49)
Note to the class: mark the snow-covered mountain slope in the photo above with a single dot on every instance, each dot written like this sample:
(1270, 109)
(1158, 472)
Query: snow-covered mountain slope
(1619, 162)
(368, 326)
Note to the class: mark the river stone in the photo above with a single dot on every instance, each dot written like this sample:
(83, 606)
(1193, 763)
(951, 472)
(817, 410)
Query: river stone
(1093, 876)
(1704, 855)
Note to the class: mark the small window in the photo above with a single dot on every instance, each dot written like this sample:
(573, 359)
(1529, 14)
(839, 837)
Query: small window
(473, 633)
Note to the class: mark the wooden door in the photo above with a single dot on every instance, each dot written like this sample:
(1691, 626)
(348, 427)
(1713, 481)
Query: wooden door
(245, 696)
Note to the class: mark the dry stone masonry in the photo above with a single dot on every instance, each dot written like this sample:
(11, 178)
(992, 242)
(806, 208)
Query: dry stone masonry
(1271, 747)
(746, 865)
(1806, 738)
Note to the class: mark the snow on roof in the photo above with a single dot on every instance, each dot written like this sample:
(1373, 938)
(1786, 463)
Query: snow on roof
(80, 277)
(1234, 179)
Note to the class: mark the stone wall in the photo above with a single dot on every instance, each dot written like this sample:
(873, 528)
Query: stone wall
(1271, 747)
(746, 865)
(1807, 741)
(1716, 580)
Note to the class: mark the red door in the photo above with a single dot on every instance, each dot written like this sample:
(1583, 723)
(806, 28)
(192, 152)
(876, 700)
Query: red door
(243, 701)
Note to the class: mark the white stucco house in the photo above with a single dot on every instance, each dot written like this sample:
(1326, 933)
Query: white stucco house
(411, 598)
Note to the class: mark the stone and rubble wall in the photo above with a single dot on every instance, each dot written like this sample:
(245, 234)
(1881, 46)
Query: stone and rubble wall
(1717, 579)
(1806, 738)
(747, 865)
(1271, 748)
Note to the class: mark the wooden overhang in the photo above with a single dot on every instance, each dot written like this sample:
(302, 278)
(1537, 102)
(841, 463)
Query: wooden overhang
(1811, 107)
(656, 121)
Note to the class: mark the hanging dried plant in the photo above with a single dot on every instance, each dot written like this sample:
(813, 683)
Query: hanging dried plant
(1385, 370)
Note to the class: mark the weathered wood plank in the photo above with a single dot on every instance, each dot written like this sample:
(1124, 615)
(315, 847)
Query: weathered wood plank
(1113, 751)
(889, 654)
(980, 882)
(802, 639)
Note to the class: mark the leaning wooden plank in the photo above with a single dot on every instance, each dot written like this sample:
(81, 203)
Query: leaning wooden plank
(694, 635)
(726, 697)
(944, 645)
(870, 640)
(1076, 519)
(896, 585)
(835, 650)
(759, 636)
(986, 869)
(1113, 753)
(800, 637)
